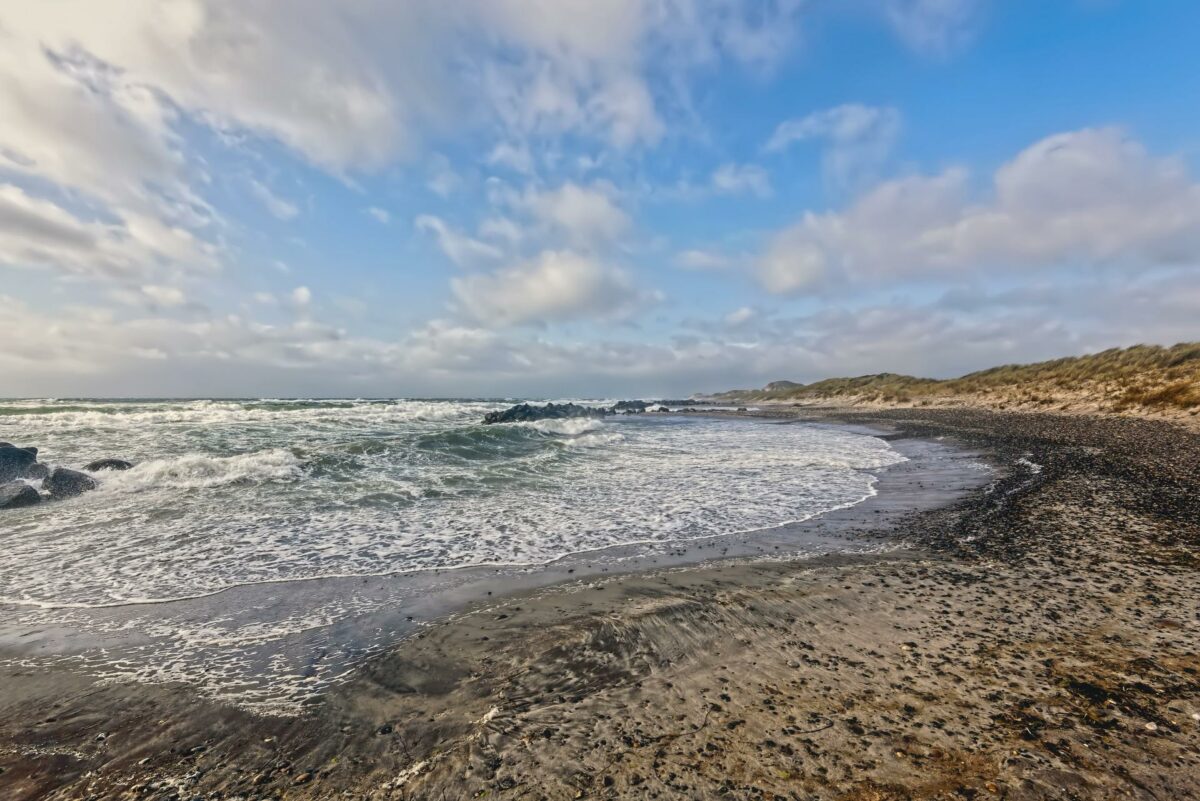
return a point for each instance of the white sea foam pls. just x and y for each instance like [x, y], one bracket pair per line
[571, 426]
[359, 498]
[1032, 467]
[194, 471]
[417, 495]
[229, 493]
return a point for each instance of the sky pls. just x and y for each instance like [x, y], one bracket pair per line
[586, 197]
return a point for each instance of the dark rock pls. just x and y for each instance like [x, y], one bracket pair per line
[108, 464]
[634, 406]
[36, 471]
[16, 494]
[14, 462]
[64, 483]
[523, 412]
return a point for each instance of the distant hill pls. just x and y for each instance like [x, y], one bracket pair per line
[1135, 379]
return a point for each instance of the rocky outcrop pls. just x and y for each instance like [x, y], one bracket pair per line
[64, 483]
[15, 461]
[36, 472]
[60, 482]
[15, 494]
[524, 413]
[107, 464]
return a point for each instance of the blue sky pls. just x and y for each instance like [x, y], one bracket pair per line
[535, 197]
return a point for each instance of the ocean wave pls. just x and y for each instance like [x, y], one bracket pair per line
[136, 416]
[375, 487]
[569, 427]
[596, 439]
[200, 471]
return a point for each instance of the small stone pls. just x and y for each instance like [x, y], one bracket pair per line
[1151, 727]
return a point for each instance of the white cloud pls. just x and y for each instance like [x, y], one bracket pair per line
[583, 216]
[741, 179]
[294, 75]
[302, 296]
[102, 107]
[740, 316]
[934, 27]
[353, 86]
[1092, 198]
[626, 108]
[279, 207]
[696, 259]
[39, 233]
[761, 39]
[501, 229]
[515, 157]
[461, 249]
[99, 185]
[858, 137]
[71, 120]
[82, 349]
[164, 295]
[557, 285]
[443, 179]
[380, 215]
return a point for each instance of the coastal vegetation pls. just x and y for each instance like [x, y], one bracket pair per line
[1138, 379]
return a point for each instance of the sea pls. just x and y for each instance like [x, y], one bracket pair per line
[252, 534]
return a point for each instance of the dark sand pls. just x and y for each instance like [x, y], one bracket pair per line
[1039, 639]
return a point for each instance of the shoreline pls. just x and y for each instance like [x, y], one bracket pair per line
[1038, 641]
[273, 671]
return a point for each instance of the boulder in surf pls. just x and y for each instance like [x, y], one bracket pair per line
[524, 413]
[64, 483]
[108, 464]
[14, 462]
[16, 494]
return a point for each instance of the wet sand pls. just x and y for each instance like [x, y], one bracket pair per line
[1039, 638]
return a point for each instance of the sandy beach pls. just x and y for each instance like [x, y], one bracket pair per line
[1035, 638]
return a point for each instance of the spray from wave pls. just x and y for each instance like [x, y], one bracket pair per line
[198, 471]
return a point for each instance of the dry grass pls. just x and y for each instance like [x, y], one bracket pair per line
[1134, 379]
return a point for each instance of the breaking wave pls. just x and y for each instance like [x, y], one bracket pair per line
[196, 471]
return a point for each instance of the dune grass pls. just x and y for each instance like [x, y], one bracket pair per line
[1149, 377]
